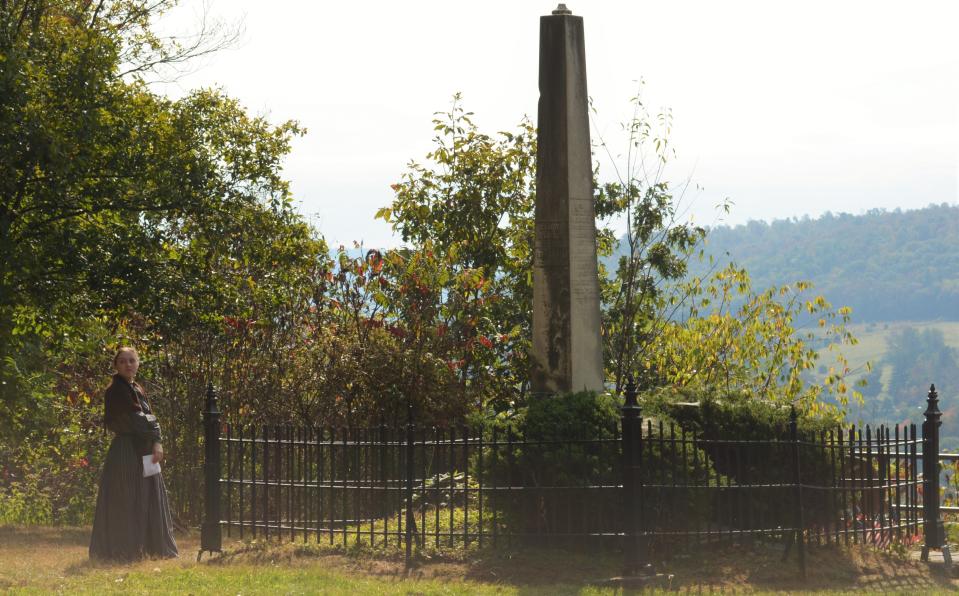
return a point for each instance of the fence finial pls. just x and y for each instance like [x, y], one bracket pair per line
[630, 392]
[211, 398]
[932, 403]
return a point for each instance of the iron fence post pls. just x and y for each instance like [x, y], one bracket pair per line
[210, 534]
[410, 521]
[799, 536]
[635, 560]
[932, 521]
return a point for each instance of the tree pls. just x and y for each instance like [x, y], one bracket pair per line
[472, 205]
[919, 358]
[124, 217]
[654, 250]
[104, 184]
[753, 345]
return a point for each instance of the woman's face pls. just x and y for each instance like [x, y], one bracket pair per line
[127, 364]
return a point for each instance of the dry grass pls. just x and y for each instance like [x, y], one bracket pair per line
[47, 560]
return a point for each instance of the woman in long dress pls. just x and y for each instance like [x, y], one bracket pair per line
[132, 518]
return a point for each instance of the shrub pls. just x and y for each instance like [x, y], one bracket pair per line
[748, 441]
[566, 454]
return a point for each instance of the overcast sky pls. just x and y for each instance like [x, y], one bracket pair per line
[787, 109]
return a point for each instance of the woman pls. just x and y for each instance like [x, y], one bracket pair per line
[132, 518]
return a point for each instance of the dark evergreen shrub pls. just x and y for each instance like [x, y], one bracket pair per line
[748, 443]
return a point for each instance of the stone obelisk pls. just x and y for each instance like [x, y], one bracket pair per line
[567, 349]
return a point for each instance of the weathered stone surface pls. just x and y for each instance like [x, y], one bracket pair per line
[567, 349]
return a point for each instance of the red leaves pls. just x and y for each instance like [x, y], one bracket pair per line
[374, 259]
[394, 330]
[416, 287]
[482, 340]
[238, 324]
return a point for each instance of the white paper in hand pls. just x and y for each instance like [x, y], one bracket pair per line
[150, 468]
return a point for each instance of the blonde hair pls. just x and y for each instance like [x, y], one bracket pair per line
[125, 349]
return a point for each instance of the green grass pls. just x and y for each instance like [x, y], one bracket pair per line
[53, 560]
[258, 579]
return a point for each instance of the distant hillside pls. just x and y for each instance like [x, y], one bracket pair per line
[886, 265]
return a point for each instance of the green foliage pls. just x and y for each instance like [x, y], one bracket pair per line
[654, 250]
[573, 440]
[130, 218]
[885, 265]
[24, 503]
[711, 414]
[919, 357]
[914, 358]
[558, 443]
[109, 189]
[125, 217]
[559, 430]
[564, 439]
[471, 206]
[756, 344]
[50, 475]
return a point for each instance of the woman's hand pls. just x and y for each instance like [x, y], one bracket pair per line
[157, 453]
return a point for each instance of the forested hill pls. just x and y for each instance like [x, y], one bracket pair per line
[886, 265]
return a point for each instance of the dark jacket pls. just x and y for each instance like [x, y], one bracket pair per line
[126, 412]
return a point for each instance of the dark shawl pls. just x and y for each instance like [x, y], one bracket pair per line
[126, 412]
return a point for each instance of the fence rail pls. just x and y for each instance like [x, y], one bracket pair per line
[644, 486]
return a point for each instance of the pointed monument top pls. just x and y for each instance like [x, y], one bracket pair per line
[561, 9]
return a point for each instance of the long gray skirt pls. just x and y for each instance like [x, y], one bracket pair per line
[132, 518]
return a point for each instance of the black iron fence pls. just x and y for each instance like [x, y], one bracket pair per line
[644, 486]
[438, 487]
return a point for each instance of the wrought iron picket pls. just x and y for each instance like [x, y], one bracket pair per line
[651, 488]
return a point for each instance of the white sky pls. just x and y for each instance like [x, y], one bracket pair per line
[788, 109]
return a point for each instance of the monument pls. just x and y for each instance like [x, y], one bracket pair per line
[567, 348]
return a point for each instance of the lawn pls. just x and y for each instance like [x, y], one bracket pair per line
[53, 560]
